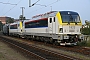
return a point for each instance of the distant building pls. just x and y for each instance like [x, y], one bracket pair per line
[3, 19]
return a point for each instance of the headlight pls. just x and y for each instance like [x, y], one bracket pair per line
[61, 30]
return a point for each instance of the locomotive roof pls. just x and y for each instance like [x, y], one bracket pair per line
[51, 13]
[15, 23]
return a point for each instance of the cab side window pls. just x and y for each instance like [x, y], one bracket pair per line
[54, 19]
[50, 20]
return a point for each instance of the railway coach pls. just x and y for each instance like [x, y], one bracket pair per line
[6, 29]
[13, 29]
[58, 27]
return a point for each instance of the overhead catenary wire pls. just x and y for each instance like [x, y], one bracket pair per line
[4, 6]
[8, 3]
[34, 3]
[12, 8]
[49, 5]
[34, 10]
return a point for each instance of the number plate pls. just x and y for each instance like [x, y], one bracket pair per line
[71, 27]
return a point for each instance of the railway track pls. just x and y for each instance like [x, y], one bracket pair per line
[77, 49]
[37, 52]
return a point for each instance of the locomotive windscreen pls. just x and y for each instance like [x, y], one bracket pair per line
[71, 17]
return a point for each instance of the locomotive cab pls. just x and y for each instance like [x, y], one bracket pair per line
[65, 27]
[70, 27]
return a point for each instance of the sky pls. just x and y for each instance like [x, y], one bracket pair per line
[12, 8]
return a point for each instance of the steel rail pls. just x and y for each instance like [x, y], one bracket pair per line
[25, 47]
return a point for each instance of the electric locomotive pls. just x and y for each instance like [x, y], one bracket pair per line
[59, 27]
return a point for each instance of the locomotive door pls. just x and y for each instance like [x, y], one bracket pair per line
[51, 25]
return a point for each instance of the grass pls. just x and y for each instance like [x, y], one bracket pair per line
[88, 43]
[85, 43]
[2, 57]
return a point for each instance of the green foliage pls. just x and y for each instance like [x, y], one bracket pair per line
[1, 25]
[86, 31]
[10, 20]
[87, 22]
[88, 43]
[83, 43]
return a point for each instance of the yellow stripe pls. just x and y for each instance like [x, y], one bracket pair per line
[80, 24]
[21, 24]
[59, 18]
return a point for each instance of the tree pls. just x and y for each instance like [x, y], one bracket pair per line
[1, 25]
[87, 22]
[10, 20]
[86, 29]
[21, 17]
